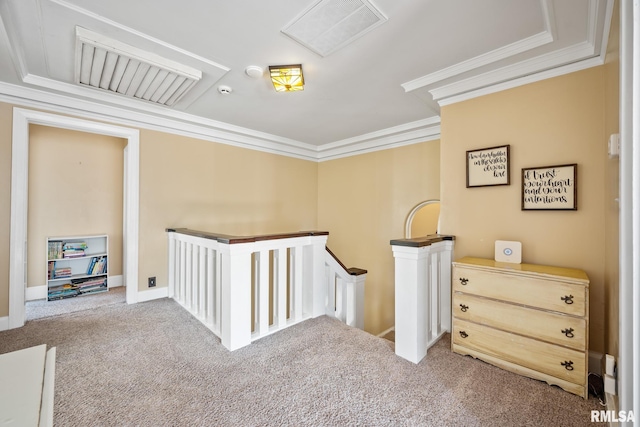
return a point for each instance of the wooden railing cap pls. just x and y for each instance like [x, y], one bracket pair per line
[419, 242]
[230, 239]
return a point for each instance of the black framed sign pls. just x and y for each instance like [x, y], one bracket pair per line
[488, 166]
[550, 188]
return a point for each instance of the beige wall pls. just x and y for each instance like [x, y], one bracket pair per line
[363, 201]
[185, 182]
[552, 122]
[75, 188]
[6, 117]
[612, 188]
[425, 220]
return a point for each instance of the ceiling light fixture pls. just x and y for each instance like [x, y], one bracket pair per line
[287, 78]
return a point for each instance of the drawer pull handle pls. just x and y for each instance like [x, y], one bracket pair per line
[464, 308]
[463, 334]
[568, 299]
[464, 281]
[567, 365]
[568, 332]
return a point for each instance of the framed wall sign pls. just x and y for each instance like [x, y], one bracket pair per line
[550, 188]
[488, 166]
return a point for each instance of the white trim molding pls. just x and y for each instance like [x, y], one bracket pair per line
[22, 118]
[545, 37]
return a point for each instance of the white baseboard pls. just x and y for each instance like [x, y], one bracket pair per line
[153, 294]
[383, 333]
[35, 292]
[4, 323]
[595, 362]
[115, 281]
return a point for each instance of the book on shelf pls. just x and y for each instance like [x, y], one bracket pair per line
[55, 249]
[97, 265]
[60, 273]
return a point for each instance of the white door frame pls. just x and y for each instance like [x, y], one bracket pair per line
[629, 313]
[22, 118]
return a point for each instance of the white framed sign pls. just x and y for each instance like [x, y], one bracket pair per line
[550, 188]
[488, 166]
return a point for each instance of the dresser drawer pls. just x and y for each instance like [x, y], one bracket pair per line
[543, 293]
[559, 362]
[543, 325]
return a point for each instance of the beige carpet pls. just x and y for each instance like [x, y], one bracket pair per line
[39, 309]
[153, 364]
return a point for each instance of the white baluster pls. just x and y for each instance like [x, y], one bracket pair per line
[280, 286]
[340, 298]
[296, 298]
[202, 277]
[172, 265]
[262, 291]
[183, 272]
[211, 296]
[218, 293]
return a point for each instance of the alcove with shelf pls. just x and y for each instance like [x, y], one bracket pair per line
[77, 266]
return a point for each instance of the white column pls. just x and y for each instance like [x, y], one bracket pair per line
[319, 289]
[410, 306]
[236, 295]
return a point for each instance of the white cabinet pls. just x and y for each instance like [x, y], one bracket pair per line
[529, 319]
[76, 266]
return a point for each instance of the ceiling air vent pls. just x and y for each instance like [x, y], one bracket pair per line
[329, 25]
[113, 66]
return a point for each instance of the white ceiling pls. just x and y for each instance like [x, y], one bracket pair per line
[383, 89]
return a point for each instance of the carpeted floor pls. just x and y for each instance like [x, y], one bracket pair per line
[153, 364]
[39, 309]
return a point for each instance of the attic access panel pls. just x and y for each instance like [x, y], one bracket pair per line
[329, 25]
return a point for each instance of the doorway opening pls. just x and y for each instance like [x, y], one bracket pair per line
[22, 118]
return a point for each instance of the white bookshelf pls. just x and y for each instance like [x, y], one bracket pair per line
[77, 266]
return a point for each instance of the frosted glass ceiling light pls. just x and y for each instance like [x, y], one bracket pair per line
[287, 78]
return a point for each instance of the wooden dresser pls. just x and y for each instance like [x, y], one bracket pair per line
[529, 319]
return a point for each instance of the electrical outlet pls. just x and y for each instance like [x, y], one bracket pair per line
[152, 281]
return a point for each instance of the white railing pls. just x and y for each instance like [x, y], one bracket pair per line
[245, 288]
[422, 293]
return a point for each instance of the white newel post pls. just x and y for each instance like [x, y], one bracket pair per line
[410, 293]
[236, 295]
[422, 293]
[319, 289]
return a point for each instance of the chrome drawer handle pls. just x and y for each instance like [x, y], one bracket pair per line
[568, 332]
[568, 299]
[464, 281]
[464, 307]
[463, 334]
[567, 365]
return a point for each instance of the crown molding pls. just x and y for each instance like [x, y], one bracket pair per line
[532, 78]
[170, 121]
[398, 136]
[196, 128]
[531, 66]
[526, 44]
